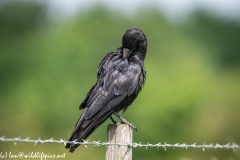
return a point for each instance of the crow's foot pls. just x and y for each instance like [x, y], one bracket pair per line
[124, 121]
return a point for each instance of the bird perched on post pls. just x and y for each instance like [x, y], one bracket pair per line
[121, 75]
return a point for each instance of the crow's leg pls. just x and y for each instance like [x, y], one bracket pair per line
[114, 122]
[125, 121]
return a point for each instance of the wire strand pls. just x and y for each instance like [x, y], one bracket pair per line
[164, 145]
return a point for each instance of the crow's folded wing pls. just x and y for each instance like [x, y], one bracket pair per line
[119, 81]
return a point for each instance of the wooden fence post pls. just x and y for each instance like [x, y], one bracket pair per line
[119, 133]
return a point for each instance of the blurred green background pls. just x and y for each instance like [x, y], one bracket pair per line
[192, 92]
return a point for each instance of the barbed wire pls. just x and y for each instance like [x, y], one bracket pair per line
[164, 145]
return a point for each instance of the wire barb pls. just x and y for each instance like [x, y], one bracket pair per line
[165, 145]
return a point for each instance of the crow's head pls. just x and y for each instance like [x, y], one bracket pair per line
[134, 42]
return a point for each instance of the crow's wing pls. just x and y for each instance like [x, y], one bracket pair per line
[100, 74]
[84, 102]
[119, 81]
[118, 78]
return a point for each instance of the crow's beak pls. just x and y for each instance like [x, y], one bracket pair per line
[126, 52]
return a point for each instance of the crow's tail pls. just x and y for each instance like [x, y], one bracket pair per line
[85, 127]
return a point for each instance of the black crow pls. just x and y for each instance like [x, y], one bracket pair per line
[121, 75]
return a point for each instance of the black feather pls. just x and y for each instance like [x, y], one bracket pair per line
[120, 79]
